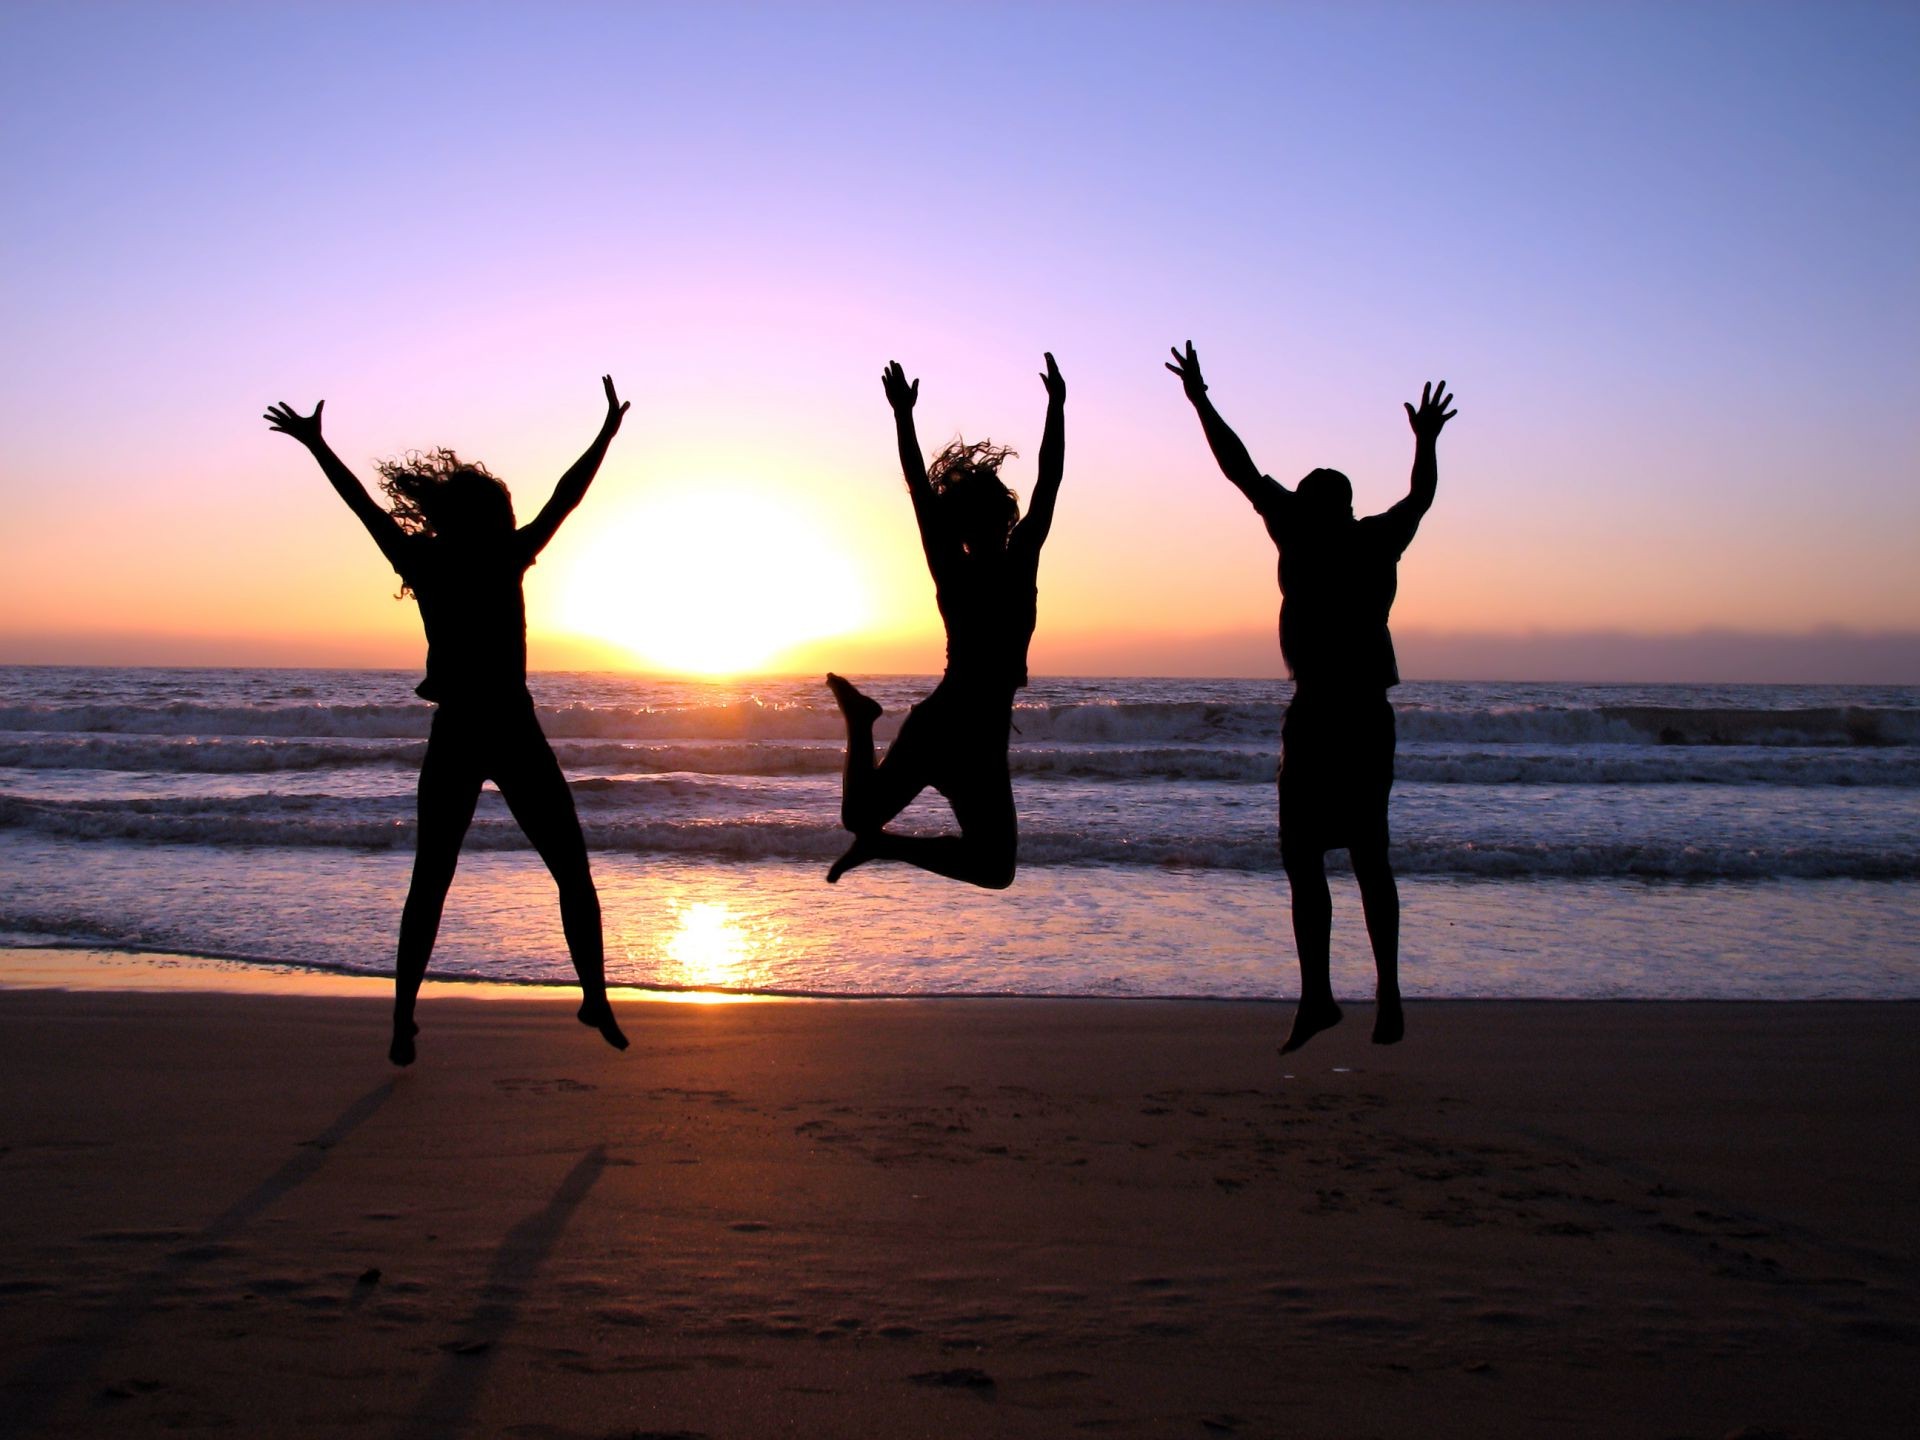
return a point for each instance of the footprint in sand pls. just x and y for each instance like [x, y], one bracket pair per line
[965, 1378]
[520, 1084]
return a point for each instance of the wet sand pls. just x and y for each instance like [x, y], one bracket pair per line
[226, 1213]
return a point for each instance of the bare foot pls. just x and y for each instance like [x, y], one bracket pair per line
[857, 708]
[401, 1051]
[1389, 1021]
[598, 1015]
[1309, 1019]
[860, 852]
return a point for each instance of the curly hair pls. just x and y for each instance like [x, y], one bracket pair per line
[430, 487]
[965, 478]
[435, 491]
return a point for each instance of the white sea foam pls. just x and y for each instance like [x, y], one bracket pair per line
[1102, 722]
[1149, 774]
[130, 799]
[1227, 843]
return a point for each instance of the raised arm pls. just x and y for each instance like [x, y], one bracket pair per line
[1427, 422]
[1031, 533]
[573, 485]
[1235, 463]
[385, 530]
[941, 549]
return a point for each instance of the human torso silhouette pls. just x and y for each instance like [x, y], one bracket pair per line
[990, 607]
[474, 612]
[1338, 578]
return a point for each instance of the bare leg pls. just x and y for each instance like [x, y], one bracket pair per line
[987, 863]
[859, 711]
[1312, 938]
[449, 788]
[870, 794]
[984, 851]
[537, 794]
[1380, 899]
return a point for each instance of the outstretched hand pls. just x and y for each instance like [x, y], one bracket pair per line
[1055, 382]
[1187, 367]
[1433, 412]
[616, 407]
[900, 395]
[288, 421]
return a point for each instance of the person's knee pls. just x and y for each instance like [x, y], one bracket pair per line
[431, 881]
[1301, 863]
[998, 872]
[1371, 866]
[575, 882]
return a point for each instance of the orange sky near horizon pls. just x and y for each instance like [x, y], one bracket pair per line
[806, 543]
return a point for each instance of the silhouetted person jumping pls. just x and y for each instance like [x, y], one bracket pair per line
[985, 562]
[1337, 582]
[451, 537]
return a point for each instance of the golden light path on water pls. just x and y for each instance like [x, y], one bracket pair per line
[710, 947]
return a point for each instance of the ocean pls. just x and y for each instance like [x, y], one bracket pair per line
[1553, 841]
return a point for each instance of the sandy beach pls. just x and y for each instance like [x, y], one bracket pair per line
[224, 1213]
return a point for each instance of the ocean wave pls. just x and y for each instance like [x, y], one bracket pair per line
[1419, 761]
[1641, 765]
[295, 821]
[1847, 725]
[186, 717]
[1497, 859]
[1185, 723]
[194, 756]
[1209, 723]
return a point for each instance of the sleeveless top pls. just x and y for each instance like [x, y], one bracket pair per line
[990, 615]
[474, 614]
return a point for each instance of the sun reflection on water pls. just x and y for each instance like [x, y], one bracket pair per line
[709, 948]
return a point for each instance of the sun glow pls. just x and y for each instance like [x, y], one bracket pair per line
[712, 948]
[719, 580]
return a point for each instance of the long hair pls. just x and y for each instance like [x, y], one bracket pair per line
[435, 491]
[979, 506]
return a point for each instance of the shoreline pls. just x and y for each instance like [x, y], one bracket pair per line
[82, 967]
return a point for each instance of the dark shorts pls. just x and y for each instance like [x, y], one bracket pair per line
[1336, 771]
[957, 738]
[499, 741]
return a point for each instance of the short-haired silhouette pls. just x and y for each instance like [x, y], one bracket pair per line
[451, 536]
[1338, 576]
[985, 562]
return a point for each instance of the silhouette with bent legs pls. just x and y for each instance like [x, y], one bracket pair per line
[1338, 576]
[451, 537]
[985, 562]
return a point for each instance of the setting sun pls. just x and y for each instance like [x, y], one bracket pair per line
[717, 580]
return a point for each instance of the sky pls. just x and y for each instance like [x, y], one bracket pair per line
[1663, 254]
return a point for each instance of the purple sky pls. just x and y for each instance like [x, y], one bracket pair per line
[1664, 254]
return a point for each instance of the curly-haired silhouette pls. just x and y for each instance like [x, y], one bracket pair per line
[985, 562]
[451, 536]
[1338, 576]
